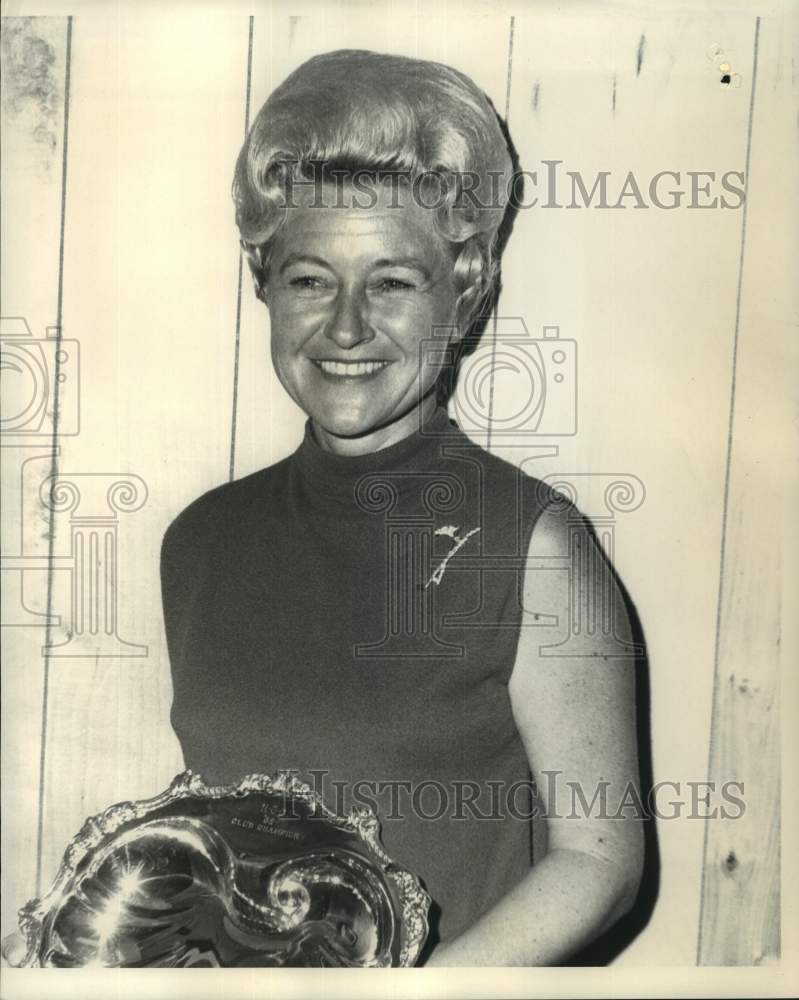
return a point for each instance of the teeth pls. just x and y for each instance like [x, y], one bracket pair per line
[351, 367]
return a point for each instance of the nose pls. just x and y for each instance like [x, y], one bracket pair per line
[349, 326]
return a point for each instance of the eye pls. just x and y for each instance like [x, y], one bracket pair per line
[306, 282]
[394, 285]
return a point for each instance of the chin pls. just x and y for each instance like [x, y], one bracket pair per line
[347, 422]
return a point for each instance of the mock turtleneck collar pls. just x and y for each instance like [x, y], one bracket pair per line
[336, 476]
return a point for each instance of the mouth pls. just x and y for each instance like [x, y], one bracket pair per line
[349, 369]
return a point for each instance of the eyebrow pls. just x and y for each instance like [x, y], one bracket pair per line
[302, 258]
[409, 262]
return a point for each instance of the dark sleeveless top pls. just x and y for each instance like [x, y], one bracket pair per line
[311, 627]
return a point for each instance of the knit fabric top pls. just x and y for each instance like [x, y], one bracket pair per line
[356, 620]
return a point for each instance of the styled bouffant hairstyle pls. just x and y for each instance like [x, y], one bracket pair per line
[359, 112]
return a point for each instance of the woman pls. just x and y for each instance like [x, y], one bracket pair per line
[353, 612]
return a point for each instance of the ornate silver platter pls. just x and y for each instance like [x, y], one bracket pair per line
[255, 874]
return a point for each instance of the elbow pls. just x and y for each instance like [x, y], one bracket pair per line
[630, 876]
[619, 872]
[627, 895]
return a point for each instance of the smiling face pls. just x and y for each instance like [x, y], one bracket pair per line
[352, 294]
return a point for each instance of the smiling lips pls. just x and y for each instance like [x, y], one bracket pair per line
[350, 369]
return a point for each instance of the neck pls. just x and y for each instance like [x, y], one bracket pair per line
[380, 437]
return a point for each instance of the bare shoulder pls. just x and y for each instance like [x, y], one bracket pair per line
[568, 574]
[572, 687]
[574, 673]
[558, 520]
[575, 627]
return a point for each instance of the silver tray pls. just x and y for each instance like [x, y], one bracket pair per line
[255, 874]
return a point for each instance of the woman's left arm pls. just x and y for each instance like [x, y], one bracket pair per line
[576, 718]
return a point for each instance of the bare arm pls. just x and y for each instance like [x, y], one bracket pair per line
[576, 717]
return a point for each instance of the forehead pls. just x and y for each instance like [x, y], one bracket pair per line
[354, 219]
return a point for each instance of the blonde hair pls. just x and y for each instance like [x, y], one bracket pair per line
[353, 111]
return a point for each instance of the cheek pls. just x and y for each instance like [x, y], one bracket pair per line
[290, 326]
[443, 304]
[413, 318]
[282, 338]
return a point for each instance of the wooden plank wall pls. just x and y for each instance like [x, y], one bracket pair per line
[740, 921]
[177, 393]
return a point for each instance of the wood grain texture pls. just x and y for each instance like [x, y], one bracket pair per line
[149, 291]
[648, 295]
[740, 922]
[33, 95]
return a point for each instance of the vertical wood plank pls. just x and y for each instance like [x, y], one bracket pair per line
[150, 292]
[648, 294]
[34, 61]
[740, 916]
[242, 269]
